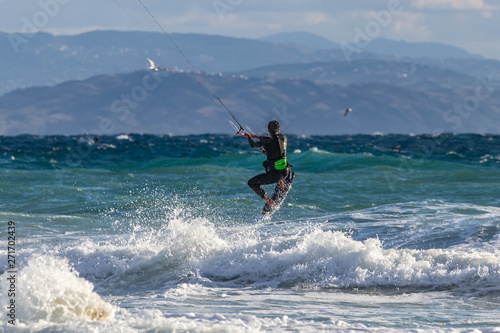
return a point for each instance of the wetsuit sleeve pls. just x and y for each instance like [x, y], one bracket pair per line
[254, 144]
[263, 140]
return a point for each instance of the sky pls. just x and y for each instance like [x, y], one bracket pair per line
[470, 24]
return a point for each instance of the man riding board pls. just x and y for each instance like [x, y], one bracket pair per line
[276, 163]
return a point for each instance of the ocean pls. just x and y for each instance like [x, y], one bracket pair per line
[148, 233]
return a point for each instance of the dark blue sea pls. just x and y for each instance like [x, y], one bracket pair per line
[145, 233]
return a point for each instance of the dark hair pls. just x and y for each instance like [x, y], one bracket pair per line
[273, 126]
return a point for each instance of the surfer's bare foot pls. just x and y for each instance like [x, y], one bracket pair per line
[270, 202]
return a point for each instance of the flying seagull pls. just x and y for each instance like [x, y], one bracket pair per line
[153, 67]
[347, 111]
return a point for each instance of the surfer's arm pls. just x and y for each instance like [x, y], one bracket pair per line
[253, 136]
[252, 143]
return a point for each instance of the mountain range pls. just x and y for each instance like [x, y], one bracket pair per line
[97, 83]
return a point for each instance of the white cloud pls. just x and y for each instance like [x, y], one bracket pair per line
[487, 14]
[418, 20]
[314, 18]
[411, 27]
[450, 4]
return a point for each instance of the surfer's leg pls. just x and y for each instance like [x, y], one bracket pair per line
[257, 181]
[270, 202]
[280, 185]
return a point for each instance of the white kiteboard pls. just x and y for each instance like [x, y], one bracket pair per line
[279, 195]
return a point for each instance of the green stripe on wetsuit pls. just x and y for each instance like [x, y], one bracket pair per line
[280, 164]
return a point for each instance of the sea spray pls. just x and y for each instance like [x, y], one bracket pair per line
[52, 292]
[332, 259]
[163, 234]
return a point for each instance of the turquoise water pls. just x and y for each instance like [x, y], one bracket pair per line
[156, 233]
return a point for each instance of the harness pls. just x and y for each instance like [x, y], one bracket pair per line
[279, 152]
[281, 164]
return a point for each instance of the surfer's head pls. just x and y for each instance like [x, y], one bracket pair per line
[273, 127]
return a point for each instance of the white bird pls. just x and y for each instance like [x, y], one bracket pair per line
[153, 67]
[347, 111]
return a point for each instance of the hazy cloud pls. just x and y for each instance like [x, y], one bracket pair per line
[452, 4]
[412, 25]
[419, 20]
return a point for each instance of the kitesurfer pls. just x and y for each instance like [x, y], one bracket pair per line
[276, 164]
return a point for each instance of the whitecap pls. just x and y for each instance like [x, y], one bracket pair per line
[123, 137]
[52, 292]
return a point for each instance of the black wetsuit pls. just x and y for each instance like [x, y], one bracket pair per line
[275, 149]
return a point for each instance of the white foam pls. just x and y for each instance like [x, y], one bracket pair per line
[310, 257]
[123, 137]
[328, 259]
[147, 256]
[191, 258]
[50, 292]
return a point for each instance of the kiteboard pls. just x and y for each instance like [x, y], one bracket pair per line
[279, 195]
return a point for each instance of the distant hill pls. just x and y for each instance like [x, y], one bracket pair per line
[380, 46]
[96, 82]
[164, 102]
[301, 38]
[413, 75]
[417, 50]
[43, 59]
